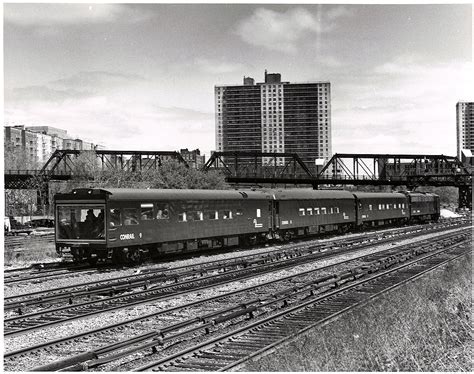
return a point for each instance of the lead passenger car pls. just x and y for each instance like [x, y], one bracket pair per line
[122, 224]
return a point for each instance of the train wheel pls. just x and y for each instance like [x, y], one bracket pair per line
[93, 261]
[76, 259]
[134, 257]
[253, 240]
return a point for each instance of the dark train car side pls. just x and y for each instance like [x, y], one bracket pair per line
[157, 221]
[381, 208]
[423, 206]
[126, 224]
[303, 212]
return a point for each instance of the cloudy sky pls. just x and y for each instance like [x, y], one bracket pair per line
[142, 76]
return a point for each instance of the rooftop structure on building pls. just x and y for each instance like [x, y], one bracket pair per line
[275, 116]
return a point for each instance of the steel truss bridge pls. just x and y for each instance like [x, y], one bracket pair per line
[66, 164]
[255, 168]
[411, 170]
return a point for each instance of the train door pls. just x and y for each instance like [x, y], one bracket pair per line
[275, 214]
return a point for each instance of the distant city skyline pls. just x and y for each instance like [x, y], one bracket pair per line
[142, 76]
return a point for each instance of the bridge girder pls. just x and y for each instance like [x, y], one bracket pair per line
[411, 170]
[63, 161]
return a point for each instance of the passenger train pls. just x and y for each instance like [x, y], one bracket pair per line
[126, 225]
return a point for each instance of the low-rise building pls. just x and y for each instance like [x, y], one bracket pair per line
[193, 158]
[37, 143]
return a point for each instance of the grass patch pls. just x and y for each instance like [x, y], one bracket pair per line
[423, 326]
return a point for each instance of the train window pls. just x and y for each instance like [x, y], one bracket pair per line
[194, 216]
[213, 215]
[259, 213]
[182, 217]
[239, 212]
[162, 211]
[380, 206]
[130, 216]
[388, 206]
[331, 211]
[403, 205]
[115, 217]
[337, 210]
[309, 211]
[323, 210]
[80, 222]
[316, 211]
[146, 212]
[226, 214]
[301, 211]
[370, 206]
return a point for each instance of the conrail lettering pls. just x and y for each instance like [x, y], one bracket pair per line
[127, 236]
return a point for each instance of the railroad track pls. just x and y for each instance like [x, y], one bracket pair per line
[269, 322]
[73, 293]
[282, 297]
[46, 271]
[41, 274]
[22, 323]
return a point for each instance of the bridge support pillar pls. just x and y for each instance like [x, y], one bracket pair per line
[465, 197]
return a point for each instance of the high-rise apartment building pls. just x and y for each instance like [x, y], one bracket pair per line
[275, 116]
[464, 127]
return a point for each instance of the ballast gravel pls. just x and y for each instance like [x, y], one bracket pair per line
[107, 318]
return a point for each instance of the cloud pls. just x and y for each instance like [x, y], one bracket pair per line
[42, 93]
[404, 105]
[113, 109]
[98, 80]
[277, 31]
[282, 31]
[338, 12]
[218, 66]
[50, 15]
[330, 61]
[80, 85]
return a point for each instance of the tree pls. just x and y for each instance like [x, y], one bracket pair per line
[19, 202]
[87, 172]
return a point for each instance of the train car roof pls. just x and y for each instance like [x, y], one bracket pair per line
[304, 193]
[174, 194]
[378, 195]
[421, 194]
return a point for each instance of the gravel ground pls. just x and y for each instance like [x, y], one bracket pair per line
[69, 328]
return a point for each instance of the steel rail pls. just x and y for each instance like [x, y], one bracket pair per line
[150, 315]
[108, 285]
[237, 354]
[237, 311]
[282, 342]
[34, 321]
